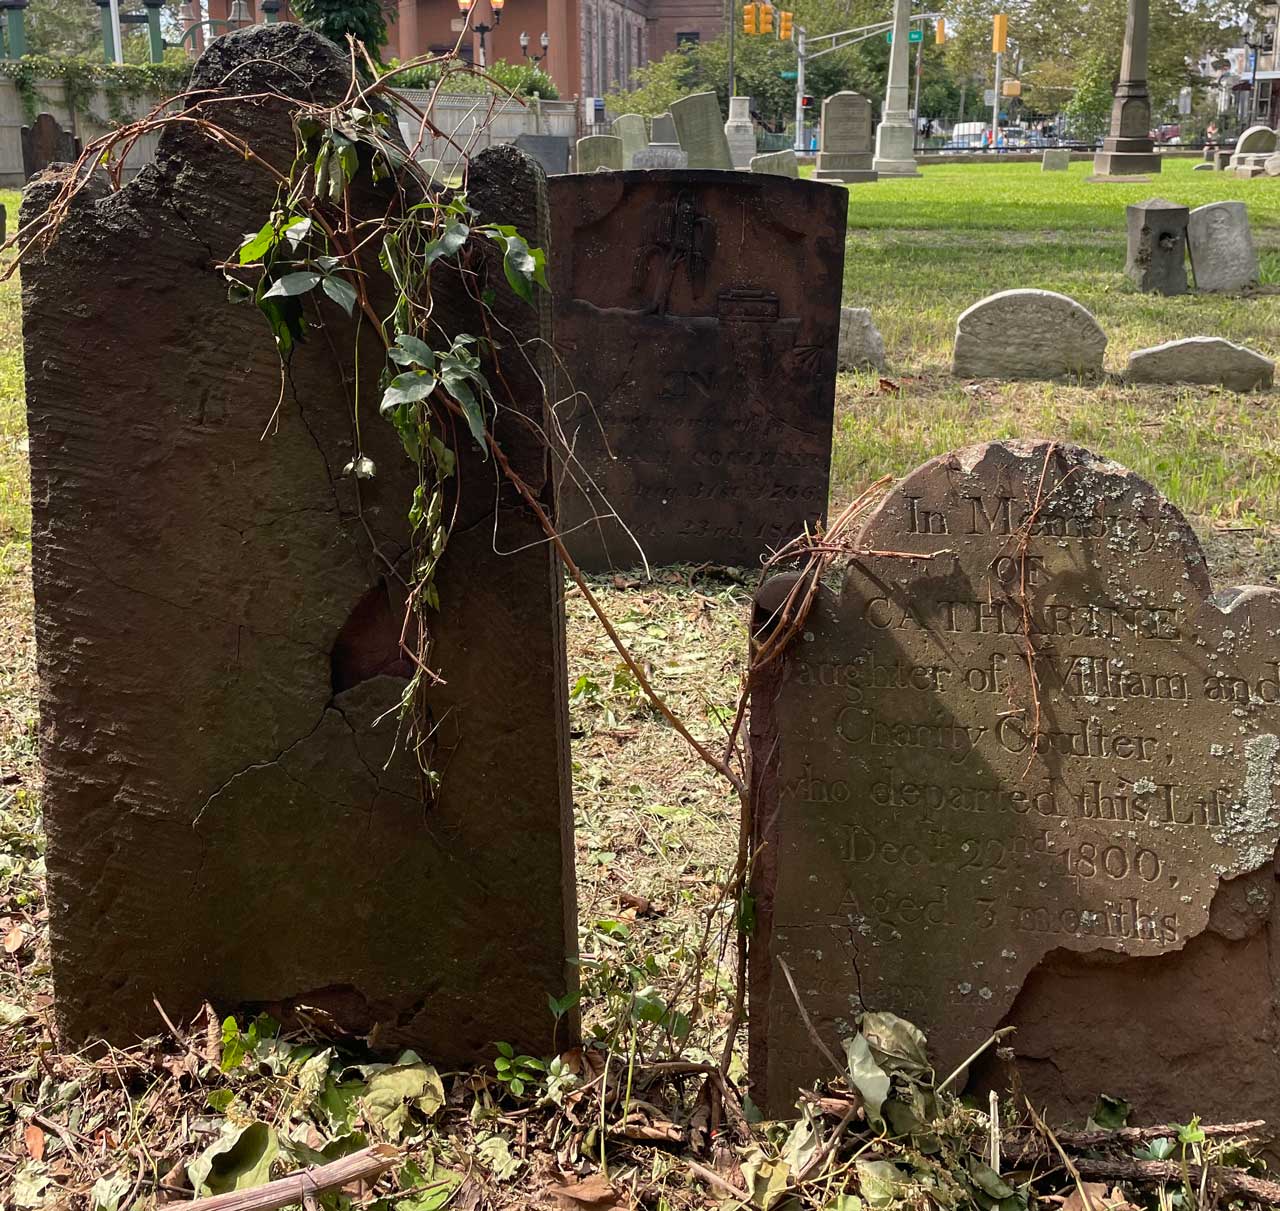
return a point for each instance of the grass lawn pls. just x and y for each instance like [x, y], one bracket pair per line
[655, 832]
[921, 251]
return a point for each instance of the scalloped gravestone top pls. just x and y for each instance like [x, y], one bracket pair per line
[704, 371]
[935, 825]
[219, 640]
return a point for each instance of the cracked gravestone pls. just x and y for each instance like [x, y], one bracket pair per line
[697, 316]
[1156, 254]
[934, 833]
[218, 617]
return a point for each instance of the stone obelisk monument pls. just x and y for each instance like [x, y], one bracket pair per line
[896, 136]
[1128, 150]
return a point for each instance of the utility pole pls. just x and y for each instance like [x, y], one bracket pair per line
[800, 144]
[733, 29]
[999, 44]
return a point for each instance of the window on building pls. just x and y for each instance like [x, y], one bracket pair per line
[690, 38]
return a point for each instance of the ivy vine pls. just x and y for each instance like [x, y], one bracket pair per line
[83, 78]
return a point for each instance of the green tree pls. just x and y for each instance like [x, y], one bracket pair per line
[362, 19]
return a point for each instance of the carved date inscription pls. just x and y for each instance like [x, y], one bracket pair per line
[1024, 723]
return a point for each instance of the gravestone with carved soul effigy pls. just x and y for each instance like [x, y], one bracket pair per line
[1220, 243]
[697, 317]
[219, 609]
[940, 833]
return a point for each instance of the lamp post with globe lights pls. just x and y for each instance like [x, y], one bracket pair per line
[543, 41]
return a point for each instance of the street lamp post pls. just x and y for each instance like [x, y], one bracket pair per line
[464, 7]
[543, 41]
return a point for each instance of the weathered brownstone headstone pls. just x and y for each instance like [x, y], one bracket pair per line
[218, 634]
[697, 317]
[940, 830]
[44, 142]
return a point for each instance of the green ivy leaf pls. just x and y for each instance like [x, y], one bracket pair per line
[407, 388]
[255, 246]
[292, 284]
[410, 351]
[239, 1160]
[341, 292]
[455, 235]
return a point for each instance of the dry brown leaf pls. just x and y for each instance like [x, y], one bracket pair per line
[595, 1191]
[33, 1137]
[14, 939]
[1093, 1196]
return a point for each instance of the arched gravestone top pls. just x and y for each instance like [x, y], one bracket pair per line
[1032, 334]
[1257, 140]
[218, 637]
[932, 827]
[593, 152]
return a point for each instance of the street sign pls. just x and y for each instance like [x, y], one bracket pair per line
[915, 35]
[989, 97]
[788, 75]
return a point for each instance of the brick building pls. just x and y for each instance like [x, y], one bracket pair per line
[593, 46]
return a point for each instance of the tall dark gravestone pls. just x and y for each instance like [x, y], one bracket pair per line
[697, 319]
[218, 625]
[947, 838]
[45, 142]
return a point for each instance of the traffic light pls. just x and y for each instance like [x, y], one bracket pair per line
[806, 102]
[940, 35]
[1000, 33]
[749, 18]
[784, 25]
[766, 18]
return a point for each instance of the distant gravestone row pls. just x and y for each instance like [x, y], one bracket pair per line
[1020, 730]
[1253, 151]
[1217, 238]
[1039, 334]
